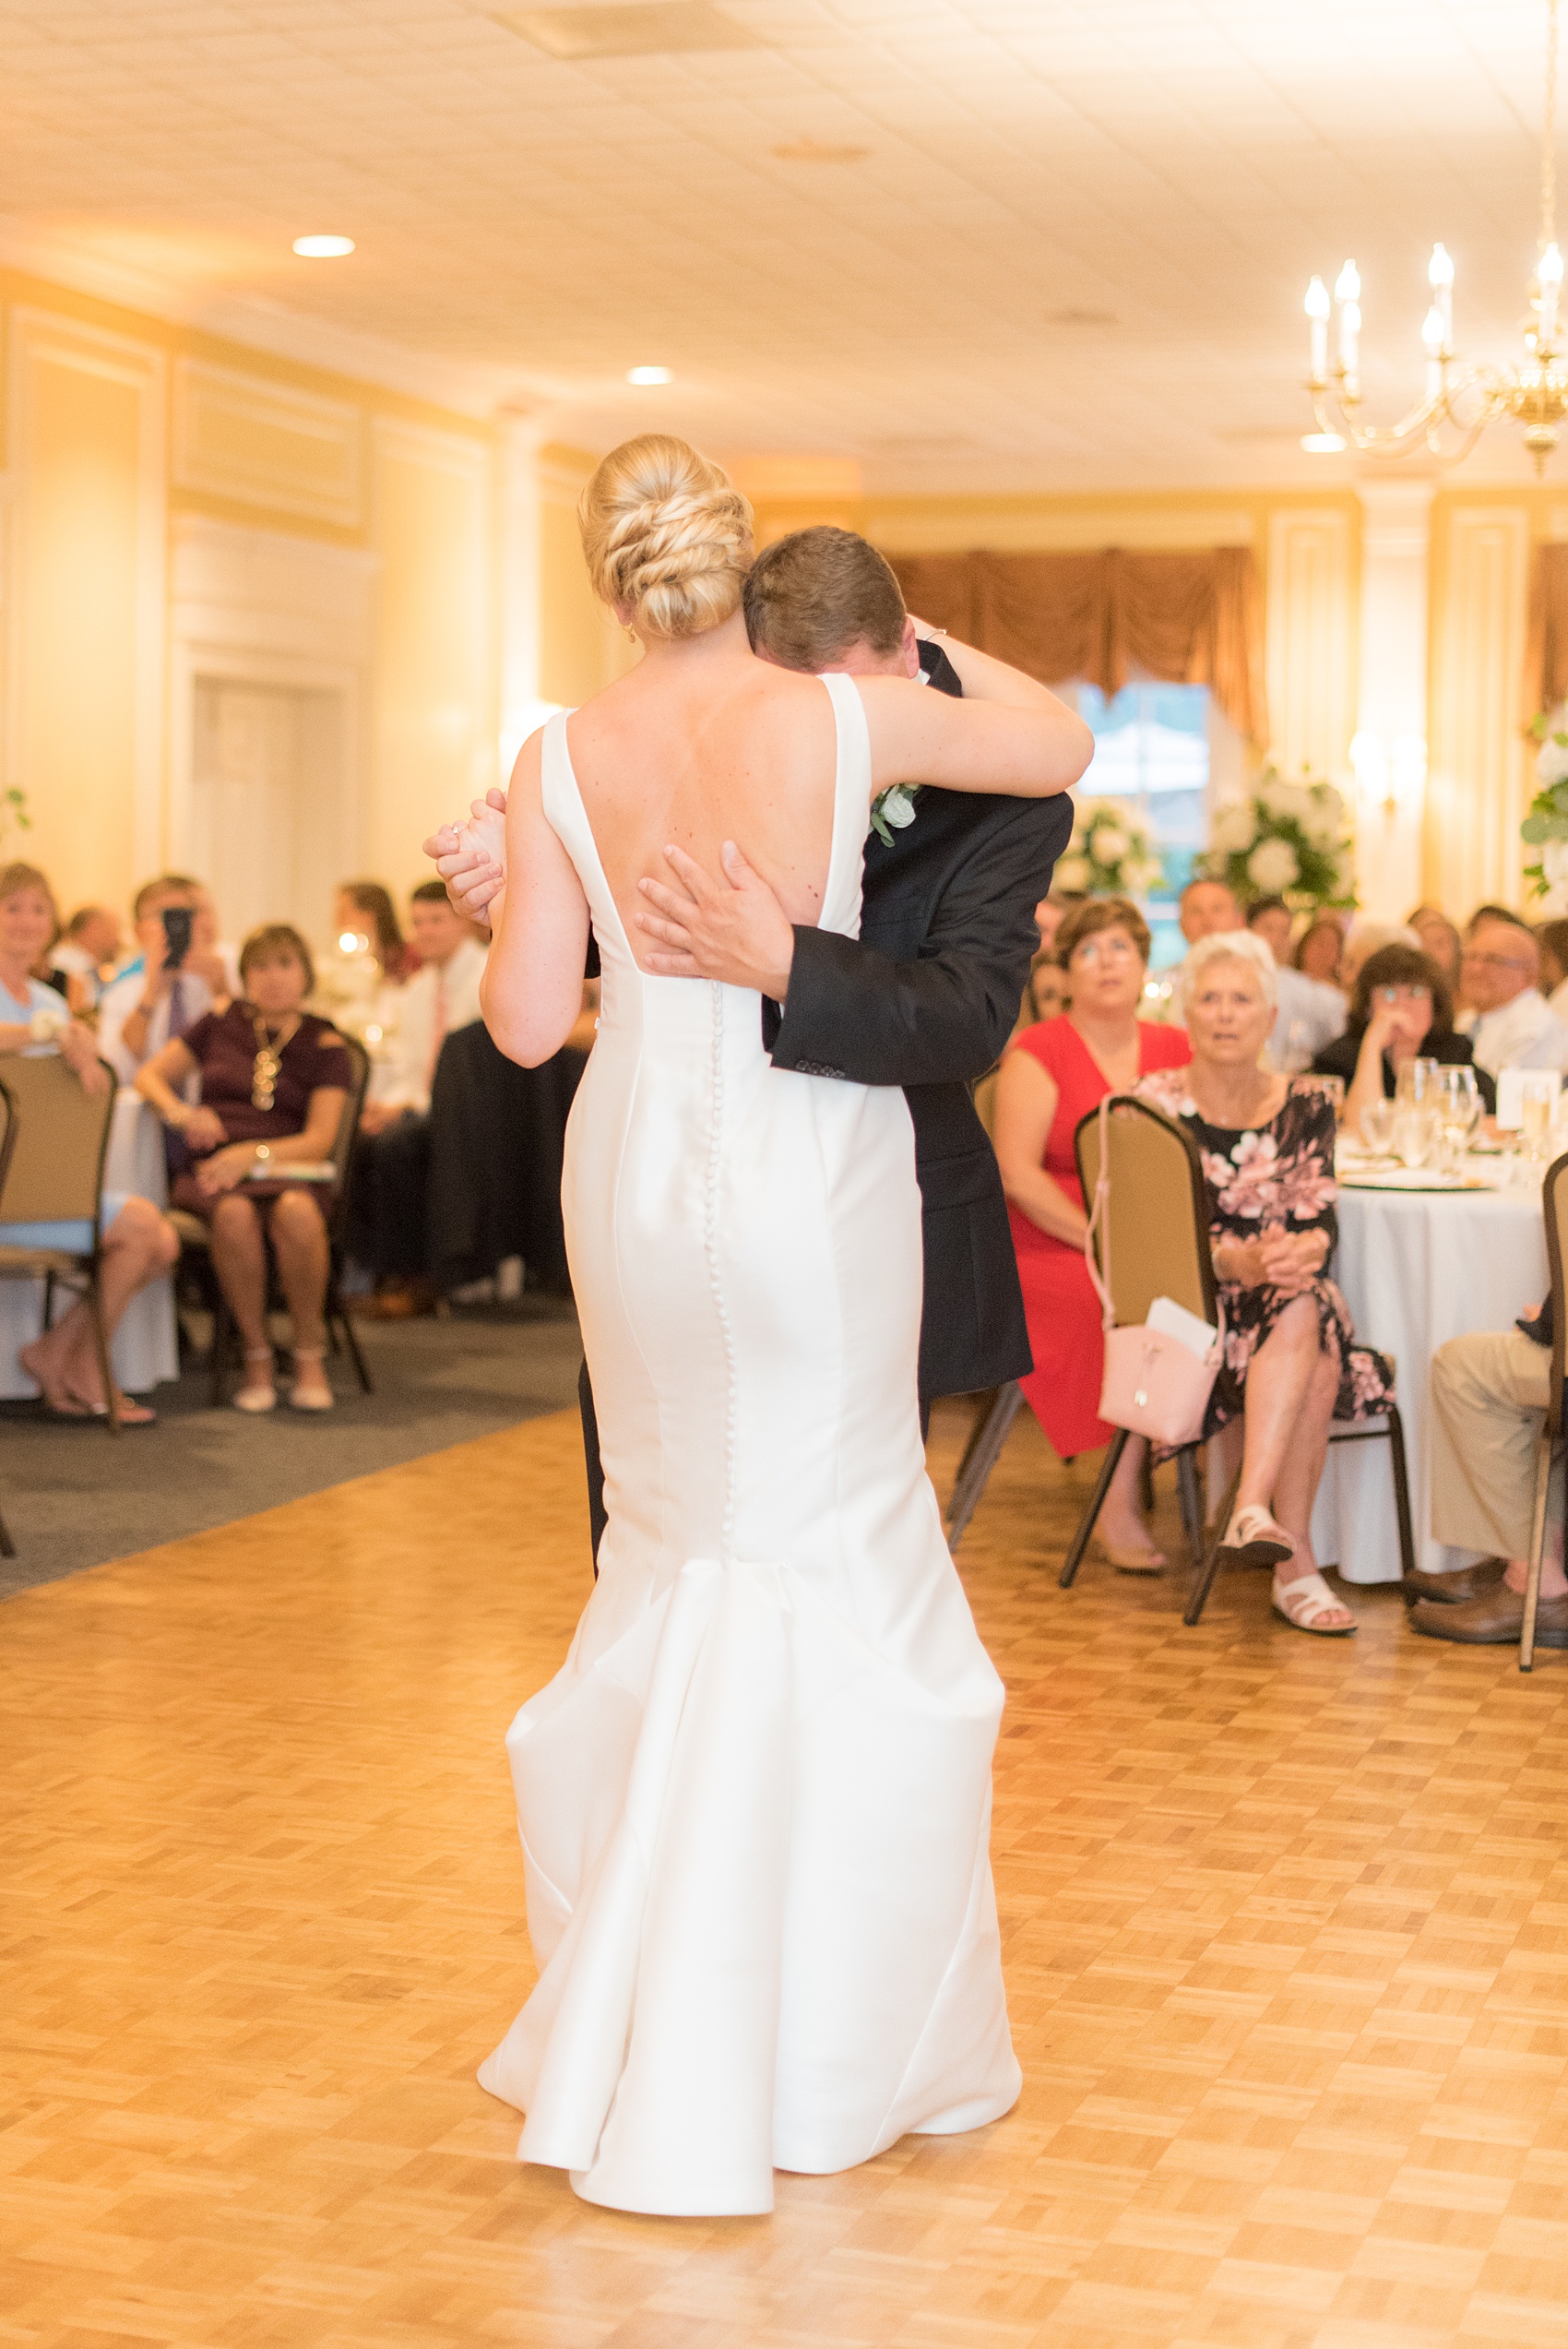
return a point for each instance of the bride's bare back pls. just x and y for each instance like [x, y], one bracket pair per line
[702, 742]
[728, 748]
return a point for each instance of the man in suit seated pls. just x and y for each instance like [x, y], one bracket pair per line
[388, 1224]
[1491, 1391]
[928, 994]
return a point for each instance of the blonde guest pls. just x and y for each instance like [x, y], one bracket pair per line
[138, 1243]
[1266, 1143]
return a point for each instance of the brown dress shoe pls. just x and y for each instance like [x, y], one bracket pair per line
[1464, 1583]
[1492, 1620]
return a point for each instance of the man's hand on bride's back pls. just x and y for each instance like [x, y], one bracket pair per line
[730, 927]
[471, 858]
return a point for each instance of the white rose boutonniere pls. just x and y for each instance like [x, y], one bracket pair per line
[893, 809]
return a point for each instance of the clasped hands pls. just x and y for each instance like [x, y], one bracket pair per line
[731, 927]
[1289, 1261]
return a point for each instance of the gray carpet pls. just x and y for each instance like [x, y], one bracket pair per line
[74, 1497]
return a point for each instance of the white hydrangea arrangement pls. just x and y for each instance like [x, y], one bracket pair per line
[1545, 826]
[1286, 840]
[1111, 852]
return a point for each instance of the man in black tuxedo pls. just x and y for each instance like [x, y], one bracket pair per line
[925, 997]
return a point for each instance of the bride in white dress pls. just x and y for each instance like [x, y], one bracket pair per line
[754, 1802]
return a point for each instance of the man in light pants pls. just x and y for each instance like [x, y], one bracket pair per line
[1490, 1394]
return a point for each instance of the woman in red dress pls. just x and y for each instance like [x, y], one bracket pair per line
[1052, 1076]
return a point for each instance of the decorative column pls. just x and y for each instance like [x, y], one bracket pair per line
[518, 569]
[1388, 752]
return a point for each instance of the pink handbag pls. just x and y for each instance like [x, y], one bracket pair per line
[1153, 1386]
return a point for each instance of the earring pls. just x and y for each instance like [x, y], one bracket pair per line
[632, 635]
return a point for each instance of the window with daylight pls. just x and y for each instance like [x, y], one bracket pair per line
[1159, 749]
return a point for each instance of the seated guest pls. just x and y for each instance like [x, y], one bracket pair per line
[1401, 1011]
[139, 1245]
[273, 1082]
[1553, 940]
[1311, 1014]
[1508, 1020]
[1052, 1076]
[365, 909]
[1204, 906]
[1048, 989]
[1491, 1390]
[387, 1211]
[84, 955]
[1363, 940]
[1440, 938]
[163, 992]
[1267, 1147]
[1047, 918]
[1318, 950]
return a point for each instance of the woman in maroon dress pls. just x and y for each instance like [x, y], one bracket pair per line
[274, 1078]
[1053, 1075]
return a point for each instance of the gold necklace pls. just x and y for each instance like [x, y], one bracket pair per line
[269, 1058]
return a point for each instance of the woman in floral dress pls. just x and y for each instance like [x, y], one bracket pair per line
[1291, 1365]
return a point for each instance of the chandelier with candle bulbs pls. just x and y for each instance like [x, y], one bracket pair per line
[1465, 399]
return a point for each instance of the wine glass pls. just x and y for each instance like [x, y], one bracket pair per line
[1418, 1082]
[1459, 1109]
[1415, 1130]
[1537, 1105]
[1377, 1128]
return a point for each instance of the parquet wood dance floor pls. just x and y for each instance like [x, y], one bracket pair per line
[1284, 1922]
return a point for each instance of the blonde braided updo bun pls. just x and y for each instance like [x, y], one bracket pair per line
[667, 536]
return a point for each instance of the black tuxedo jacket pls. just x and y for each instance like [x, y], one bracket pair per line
[926, 998]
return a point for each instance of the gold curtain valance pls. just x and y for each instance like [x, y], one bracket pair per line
[1546, 659]
[1107, 617]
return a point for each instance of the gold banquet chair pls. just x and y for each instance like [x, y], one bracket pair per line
[1553, 1436]
[1161, 1212]
[196, 1241]
[51, 1171]
[1161, 1250]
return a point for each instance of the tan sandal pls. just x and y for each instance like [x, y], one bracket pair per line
[1253, 1538]
[257, 1394]
[297, 1401]
[1303, 1603]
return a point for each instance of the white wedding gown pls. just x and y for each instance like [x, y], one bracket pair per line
[756, 1800]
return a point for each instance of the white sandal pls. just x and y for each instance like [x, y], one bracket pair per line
[328, 1401]
[1253, 1538]
[1303, 1603]
[257, 1394]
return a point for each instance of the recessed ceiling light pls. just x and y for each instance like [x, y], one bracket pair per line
[819, 151]
[322, 248]
[650, 375]
[1322, 443]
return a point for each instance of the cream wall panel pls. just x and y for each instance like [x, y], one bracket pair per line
[86, 635]
[1311, 640]
[261, 611]
[263, 444]
[435, 724]
[581, 646]
[1476, 788]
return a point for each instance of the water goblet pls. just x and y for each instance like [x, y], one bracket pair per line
[1377, 1128]
[1415, 1130]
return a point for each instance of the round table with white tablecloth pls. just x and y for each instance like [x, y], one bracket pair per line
[144, 1351]
[1417, 1268]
